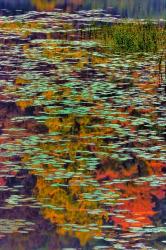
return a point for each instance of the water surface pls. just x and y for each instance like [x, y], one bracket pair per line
[82, 153]
[124, 8]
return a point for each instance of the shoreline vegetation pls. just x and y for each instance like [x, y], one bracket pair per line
[132, 37]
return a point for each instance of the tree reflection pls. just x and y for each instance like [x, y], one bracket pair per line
[91, 132]
[46, 5]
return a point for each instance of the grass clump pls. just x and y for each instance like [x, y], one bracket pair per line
[131, 37]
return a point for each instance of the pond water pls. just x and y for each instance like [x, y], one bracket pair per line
[82, 139]
[124, 8]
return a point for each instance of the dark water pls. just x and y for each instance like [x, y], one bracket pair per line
[82, 134]
[124, 8]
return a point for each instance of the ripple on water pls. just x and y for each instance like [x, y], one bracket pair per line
[82, 134]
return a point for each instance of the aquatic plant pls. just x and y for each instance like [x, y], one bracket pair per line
[130, 37]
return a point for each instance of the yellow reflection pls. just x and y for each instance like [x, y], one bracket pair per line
[47, 5]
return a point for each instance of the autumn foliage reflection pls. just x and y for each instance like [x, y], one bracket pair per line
[89, 132]
[137, 197]
[47, 5]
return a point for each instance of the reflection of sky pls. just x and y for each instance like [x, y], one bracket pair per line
[126, 8]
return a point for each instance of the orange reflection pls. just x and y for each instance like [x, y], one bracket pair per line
[46, 5]
[136, 206]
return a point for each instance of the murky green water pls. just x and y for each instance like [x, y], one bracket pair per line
[82, 132]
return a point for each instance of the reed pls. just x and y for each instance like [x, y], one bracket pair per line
[130, 37]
